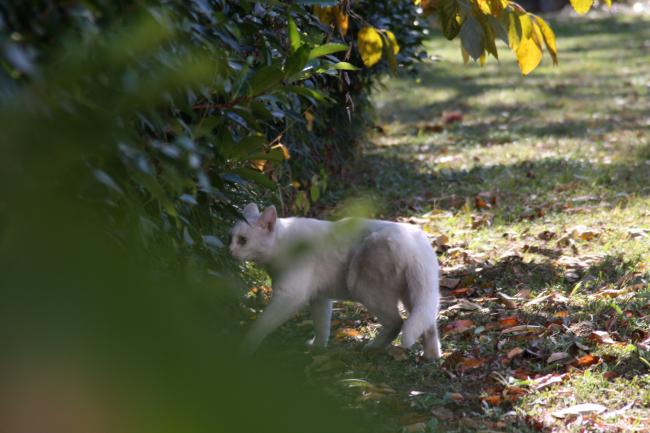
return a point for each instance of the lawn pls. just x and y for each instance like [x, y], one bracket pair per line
[536, 192]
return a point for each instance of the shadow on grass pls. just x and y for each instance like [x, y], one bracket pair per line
[524, 190]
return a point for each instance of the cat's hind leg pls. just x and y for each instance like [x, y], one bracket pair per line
[321, 314]
[391, 322]
[432, 343]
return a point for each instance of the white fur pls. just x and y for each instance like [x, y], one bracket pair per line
[378, 263]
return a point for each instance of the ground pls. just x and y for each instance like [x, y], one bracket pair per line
[536, 192]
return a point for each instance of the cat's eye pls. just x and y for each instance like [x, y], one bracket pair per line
[241, 240]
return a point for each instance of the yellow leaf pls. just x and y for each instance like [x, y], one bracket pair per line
[309, 117]
[342, 20]
[325, 14]
[393, 41]
[417, 2]
[549, 38]
[283, 149]
[484, 6]
[513, 31]
[582, 6]
[482, 59]
[370, 45]
[258, 164]
[529, 54]
[609, 3]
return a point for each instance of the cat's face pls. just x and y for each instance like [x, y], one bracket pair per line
[254, 238]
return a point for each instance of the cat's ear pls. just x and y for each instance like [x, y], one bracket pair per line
[251, 211]
[267, 219]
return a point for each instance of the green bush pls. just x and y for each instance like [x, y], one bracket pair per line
[181, 111]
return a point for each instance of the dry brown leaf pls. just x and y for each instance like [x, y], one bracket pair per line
[561, 314]
[479, 221]
[449, 283]
[449, 117]
[548, 380]
[514, 392]
[601, 337]
[636, 233]
[557, 356]
[546, 235]
[583, 233]
[464, 304]
[492, 400]
[515, 352]
[470, 364]
[508, 322]
[507, 301]
[457, 397]
[533, 329]
[398, 353]
[441, 241]
[586, 361]
[345, 333]
[458, 326]
[463, 291]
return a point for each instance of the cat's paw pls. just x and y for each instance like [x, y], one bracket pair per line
[315, 343]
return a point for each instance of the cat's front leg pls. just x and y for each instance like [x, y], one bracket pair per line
[321, 314]
[287, 300]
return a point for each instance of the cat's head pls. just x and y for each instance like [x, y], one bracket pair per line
[254, 238]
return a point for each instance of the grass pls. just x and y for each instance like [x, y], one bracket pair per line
[542, 193]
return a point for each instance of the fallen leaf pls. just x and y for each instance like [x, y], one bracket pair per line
[345, 333]
[524, 329]
[635, 233]
[432, 127]
[449, 117]
[449, 283]
[456, 396]
[514, 392]
[441, 241]
[578, 409]
[561, 314]
[458, 326]
[586, 361]
[556, 356]
[515, 352]
[492, 400]
[507, 301]
[463, 291]
[479, 221]
[583, 233]
[470, 364]
[398, 353]
[464, 304]
[548, 380]
[546, 235]
[508, 322]
[601, 337]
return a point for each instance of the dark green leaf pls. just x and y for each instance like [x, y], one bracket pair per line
[264, 79]
[472, 37]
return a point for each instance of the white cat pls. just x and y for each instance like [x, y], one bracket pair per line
[378, 263]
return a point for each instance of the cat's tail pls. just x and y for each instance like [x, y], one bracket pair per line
[424, 297]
